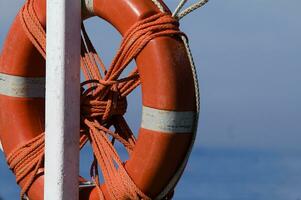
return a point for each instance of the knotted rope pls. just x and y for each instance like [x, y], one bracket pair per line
[103, 103]
[118, 181]
[178, 14]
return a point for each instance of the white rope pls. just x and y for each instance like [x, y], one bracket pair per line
[1, 148]
[179, 172]
[87, 8]
[179, 7]
[159, 5]
[178, 14]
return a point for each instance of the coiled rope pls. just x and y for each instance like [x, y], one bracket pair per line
[178, 14]
[103, 103]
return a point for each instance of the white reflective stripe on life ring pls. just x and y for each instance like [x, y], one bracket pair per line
[17, 86]
[167, 121]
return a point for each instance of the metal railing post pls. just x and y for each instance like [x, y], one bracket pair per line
[62, 99]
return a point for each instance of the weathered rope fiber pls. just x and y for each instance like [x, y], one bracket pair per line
[177, 14]
[103, 103]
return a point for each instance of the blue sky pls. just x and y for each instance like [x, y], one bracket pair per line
[248, 55]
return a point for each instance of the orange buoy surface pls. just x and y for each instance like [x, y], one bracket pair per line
[168, 97]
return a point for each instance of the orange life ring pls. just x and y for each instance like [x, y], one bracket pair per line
[168, 96]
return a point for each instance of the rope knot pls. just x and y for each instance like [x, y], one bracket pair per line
[103, 104]
[102, 100]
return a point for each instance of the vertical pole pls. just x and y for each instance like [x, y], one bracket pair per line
[62, 99]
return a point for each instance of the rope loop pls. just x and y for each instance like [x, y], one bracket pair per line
[178, 14]
[103, 100]
[103, 104]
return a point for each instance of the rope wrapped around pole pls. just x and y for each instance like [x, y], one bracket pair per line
[103, 104]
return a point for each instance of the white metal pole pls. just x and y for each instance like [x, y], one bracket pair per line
[62, 99]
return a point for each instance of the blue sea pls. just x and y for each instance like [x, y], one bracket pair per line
[247, 55]
[220, 174]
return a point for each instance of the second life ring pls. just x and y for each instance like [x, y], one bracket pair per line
[169, 117]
